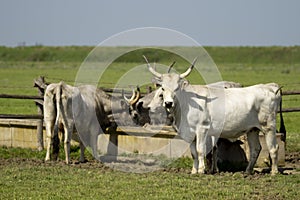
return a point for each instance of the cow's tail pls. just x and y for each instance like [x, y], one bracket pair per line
[56, 140]
[58, 103]
[282, 126]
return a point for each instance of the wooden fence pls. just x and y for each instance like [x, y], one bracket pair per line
[38, 99]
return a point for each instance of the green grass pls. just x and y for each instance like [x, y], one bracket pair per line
[42, 53]
[251, 55]
[25, 176]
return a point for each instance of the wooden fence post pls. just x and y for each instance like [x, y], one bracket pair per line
[41, 86]
[40, 141]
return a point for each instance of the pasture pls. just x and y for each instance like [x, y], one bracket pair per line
[25, 175]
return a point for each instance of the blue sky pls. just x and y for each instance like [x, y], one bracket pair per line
[212, 23]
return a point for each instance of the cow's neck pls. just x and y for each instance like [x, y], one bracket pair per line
[116, 106]
[113, 105]
[181, 119]
[180, 107]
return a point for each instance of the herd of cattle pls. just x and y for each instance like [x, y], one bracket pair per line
[198, 113]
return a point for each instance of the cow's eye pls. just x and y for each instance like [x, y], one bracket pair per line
[162, 89]
[161, 96]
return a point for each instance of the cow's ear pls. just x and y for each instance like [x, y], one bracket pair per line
[156, 81]
[184, 83]
[139, 106]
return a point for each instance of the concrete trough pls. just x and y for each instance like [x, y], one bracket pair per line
[164, 140]
[19, 133]
[154, 141]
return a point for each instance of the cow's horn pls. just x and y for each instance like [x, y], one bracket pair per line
[155, 73]
[124, 97]
[131, 98]
[188, 71]
[137, 96]
[171, 66]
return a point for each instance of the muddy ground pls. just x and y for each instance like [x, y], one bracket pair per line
[141, 165]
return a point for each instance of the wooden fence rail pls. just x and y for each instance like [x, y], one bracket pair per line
[288, 110]
[38, 99]
[14, 96]
[290, 93]
[17, 116]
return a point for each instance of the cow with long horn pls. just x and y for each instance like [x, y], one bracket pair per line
[160, 116]
[203, 111]
[138, 116]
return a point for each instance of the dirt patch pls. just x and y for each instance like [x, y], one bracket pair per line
[92, 164]
[292, 163]
[293, 159]
[140, 164]
[133, 164]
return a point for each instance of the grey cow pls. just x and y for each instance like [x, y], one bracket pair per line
[84, 109]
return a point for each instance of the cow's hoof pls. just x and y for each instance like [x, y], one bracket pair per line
[194, 171]
[83, 160]
[249, 172]
[274, 172]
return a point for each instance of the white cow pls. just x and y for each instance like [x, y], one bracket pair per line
[202, 111]
[156, 105]
[155, 101]
[49, 120]
[86, 107]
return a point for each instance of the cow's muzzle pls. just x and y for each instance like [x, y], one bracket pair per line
[168, 104]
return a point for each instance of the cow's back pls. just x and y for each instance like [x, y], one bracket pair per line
[246, 108]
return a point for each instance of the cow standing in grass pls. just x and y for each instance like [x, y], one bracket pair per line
[86, 109]
[156, 105]
[201, 111]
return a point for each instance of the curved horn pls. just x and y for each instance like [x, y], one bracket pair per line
[131, 98]
[123, 95]
[188, 71]
[137, 96]
[155, 73]
[171, 67]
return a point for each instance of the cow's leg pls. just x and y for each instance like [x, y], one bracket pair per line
[212, 156]
[93, 133]
[214, 166]
[201, 150]
[49, 138]
[55, 143]
[194, 156]
[67, 143]
[82, 148]
[94, 141]
[255, 147]
[273, 147]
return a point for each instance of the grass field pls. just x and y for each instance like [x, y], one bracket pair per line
[24, 175]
